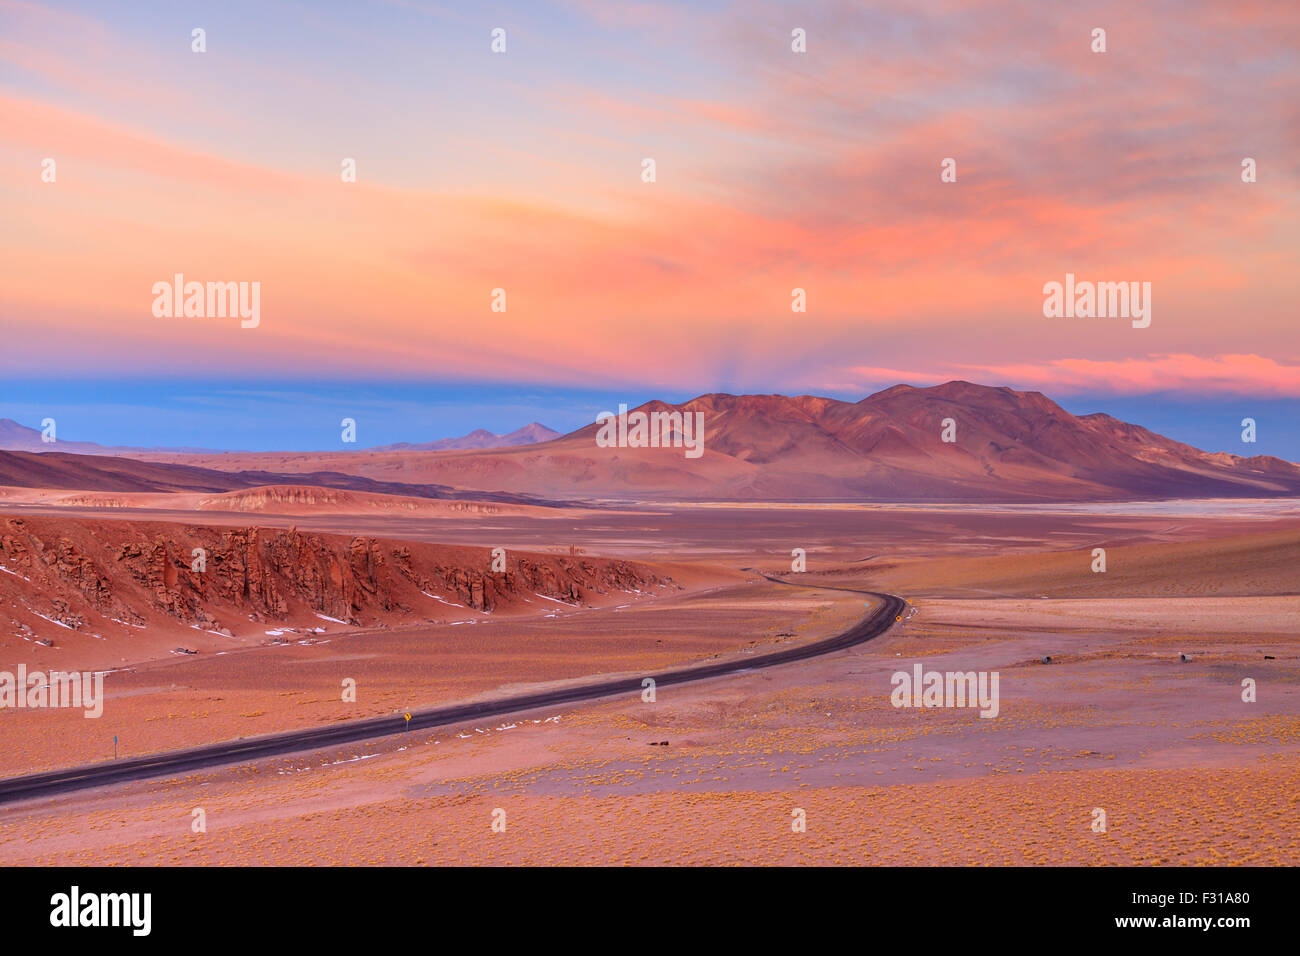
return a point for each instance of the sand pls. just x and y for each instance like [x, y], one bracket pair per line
[1184, 769]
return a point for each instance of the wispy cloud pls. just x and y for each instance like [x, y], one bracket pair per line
[1238, 374]
[776, 170]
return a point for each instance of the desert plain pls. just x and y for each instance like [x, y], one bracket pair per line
[1121, 692]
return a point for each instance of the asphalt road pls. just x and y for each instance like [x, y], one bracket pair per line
[176, 762]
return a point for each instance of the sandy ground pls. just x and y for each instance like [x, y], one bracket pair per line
[833, 536]
[271, 499]
[1184, 769]
[180, 701]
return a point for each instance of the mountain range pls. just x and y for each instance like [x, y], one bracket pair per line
[18, 437]
[530, 434]
[1006, 446]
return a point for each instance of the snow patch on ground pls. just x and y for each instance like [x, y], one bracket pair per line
[205, 631]
[52, 620]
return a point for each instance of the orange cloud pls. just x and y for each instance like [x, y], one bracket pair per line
[1245, 374]
[777, 171]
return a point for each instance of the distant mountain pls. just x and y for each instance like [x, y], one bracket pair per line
[1008, 446]
[18, 437]
[63, 471]
[479, 438]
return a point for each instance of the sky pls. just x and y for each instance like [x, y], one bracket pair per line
[522, 171]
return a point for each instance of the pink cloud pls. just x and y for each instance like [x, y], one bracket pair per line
[1229, 373]
[777, 170]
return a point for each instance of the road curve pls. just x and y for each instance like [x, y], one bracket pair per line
[171, 763]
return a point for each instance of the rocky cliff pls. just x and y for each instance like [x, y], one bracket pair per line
[87, 574]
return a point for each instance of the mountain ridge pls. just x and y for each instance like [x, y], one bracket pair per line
[1006, 446]
[15, 436]
[532, 433]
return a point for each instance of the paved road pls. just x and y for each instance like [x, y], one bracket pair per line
[883, 614]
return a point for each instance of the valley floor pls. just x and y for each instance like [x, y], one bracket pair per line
[1138, 715]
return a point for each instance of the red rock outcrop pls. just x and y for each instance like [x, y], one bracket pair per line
[74, 570]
